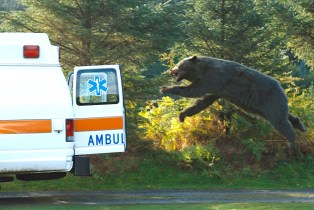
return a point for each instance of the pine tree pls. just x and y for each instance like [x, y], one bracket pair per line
[234, 30]
[294, 19]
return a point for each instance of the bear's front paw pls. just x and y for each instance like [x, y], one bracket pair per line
[164, 89]
[182, 117]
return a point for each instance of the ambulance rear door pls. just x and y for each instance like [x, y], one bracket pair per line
[99, 114]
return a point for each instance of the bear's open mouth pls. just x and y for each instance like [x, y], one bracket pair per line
[174, 72]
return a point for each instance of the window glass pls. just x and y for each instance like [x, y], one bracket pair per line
[97, 87]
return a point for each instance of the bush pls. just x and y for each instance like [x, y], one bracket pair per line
[302, 105]
[256, 148]
[162, 125]
[200, 157]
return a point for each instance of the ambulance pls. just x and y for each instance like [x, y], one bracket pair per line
[50, 125]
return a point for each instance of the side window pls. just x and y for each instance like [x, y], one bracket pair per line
[97, 86]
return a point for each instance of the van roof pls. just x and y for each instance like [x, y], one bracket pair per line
[11, 49]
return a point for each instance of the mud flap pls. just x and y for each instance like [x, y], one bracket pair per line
[82, 165]
[6, 179]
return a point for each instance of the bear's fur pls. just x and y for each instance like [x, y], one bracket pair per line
[253, 91]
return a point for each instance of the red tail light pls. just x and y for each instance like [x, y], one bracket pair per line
[31, 51]
[69, 130]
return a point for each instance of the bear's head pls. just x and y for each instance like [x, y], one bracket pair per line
[185, 69]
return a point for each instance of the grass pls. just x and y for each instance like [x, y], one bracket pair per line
[160, 170]
[217, 206]
[125, 172]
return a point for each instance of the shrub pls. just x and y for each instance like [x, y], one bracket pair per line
[199, 157]
[256, 148]
[162, 125]
[302, 105]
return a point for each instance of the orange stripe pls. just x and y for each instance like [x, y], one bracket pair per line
[96, 124]
[25, 126]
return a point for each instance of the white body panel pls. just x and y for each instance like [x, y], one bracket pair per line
[39, 160]
[35, 93]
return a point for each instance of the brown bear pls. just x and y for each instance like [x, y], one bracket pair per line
[251, 90]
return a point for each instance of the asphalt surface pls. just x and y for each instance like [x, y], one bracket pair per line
[155, 197]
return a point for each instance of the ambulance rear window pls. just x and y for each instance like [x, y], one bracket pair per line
[99, 86]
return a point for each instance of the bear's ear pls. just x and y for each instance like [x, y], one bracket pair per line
[194, 58]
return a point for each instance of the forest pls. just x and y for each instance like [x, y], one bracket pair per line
[147, 37]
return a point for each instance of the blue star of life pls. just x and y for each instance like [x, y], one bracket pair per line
[97, 85]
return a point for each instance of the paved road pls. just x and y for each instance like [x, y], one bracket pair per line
[155, 197]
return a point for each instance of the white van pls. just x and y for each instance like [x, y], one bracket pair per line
[44, 131]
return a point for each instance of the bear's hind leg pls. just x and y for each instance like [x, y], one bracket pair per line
[286, 129]
[276, 112]
[296, 122]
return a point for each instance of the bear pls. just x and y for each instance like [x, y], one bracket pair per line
[254, 92]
